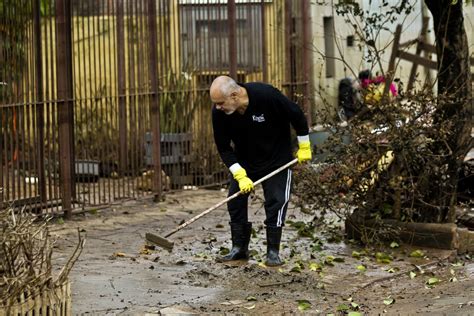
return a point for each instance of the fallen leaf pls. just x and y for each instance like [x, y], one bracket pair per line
[394, 244]
[329, 260]
[303, 305]
[412, 275]
[432, 281]
[361, 268]
[389, 301]
[313, 266]
[356, 254]
[342, 307]
[224, 251]
[250, 307]
[354, 314]
[145, 251]
[383, 257]
[417, 254]
[251, 298]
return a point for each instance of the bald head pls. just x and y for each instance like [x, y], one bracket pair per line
[228, 96]
[223, 86]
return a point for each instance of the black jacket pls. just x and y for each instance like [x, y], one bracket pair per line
[261, 137]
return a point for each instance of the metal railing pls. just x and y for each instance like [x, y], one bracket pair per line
[87, 86]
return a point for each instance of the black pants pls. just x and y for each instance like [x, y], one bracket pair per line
[276, 191]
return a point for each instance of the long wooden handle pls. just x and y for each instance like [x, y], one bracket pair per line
[233, 196]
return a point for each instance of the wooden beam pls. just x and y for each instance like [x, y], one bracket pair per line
[418, 59]
[419, 49]
[440, 236]
[391, 64]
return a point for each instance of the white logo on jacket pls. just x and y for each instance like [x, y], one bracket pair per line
[259, 118]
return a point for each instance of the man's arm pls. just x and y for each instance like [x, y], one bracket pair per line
[300, 124]
[293, 112]
[222, 139]
[223, 143]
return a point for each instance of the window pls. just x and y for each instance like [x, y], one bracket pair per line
[350, 41]
[329, 49]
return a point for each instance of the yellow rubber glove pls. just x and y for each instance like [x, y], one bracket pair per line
[304, 152]
[245, 184]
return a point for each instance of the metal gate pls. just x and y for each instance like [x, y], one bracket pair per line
[87, 87]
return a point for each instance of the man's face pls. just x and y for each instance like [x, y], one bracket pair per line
[228, 104]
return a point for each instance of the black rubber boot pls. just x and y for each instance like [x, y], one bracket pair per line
[273, 246]
[240, 242]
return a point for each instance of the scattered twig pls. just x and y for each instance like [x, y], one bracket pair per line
[26, 257]
[274, 284]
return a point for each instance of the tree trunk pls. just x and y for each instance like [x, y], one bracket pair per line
[454, 108]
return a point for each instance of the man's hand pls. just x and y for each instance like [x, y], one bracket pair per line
[304, 152]
[245, 184]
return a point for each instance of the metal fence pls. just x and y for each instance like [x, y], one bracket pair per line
[87, 86]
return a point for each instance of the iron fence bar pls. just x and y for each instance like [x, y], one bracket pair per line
[95, 106]
[65, 100]
[142, 84]
[264, 42]
[39, 99]
[29, 178]
[288, 34]
[210, 61]
[231, 12]
[109, 147]
[47, 71]
[80, 65]
[131, 85]
[64, 86]
[154, 106]
[122, 95]
[305, 12]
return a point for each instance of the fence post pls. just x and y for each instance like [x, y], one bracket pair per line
[65, 103]
[231, 15]
[122, 110]
[154, 104]
[264, 42]
[306, 60]
[39, 102]
[289, 78]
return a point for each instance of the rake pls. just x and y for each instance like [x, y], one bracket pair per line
[168, 244]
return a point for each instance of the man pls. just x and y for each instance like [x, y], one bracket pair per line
[252, 132]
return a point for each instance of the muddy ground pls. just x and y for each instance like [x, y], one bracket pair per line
[117, 275]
